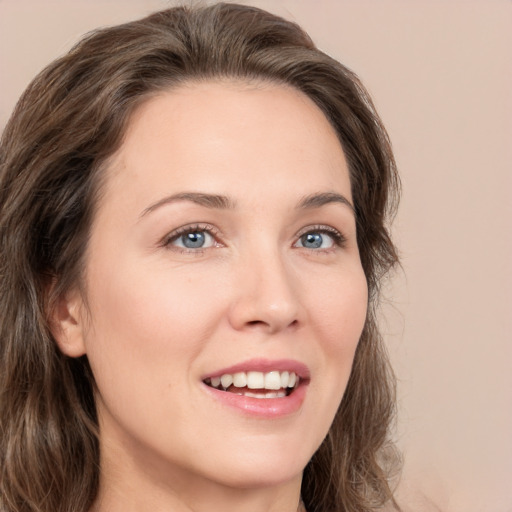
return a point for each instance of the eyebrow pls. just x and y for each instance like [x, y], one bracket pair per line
[322, 198]
[207, 200]
[220, 202]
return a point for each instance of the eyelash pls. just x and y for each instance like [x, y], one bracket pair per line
[184, 230]
[338, 238]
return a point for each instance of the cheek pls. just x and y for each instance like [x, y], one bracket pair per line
[130, 298]
[341, 318]
[341, 308]
[147, 327]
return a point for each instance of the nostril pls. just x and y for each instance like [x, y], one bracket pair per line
[269, 325]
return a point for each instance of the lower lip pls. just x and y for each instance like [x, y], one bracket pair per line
[266, 408]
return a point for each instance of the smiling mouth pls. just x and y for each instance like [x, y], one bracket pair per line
[273, 384]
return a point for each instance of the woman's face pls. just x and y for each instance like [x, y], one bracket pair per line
[223, 246]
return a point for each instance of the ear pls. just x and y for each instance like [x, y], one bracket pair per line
[67, 324]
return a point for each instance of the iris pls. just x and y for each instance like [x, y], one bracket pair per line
[312, 240]
[193, 240]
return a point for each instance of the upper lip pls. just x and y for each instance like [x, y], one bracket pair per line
[264, 365]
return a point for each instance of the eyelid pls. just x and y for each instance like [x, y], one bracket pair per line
[190, 228]
[337, 236]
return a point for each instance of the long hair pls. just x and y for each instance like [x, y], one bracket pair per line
[71, 118]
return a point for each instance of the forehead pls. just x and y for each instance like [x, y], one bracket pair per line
[232, 135]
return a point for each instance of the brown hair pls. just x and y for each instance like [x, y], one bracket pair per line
[67, 123]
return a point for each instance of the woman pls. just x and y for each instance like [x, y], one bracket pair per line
[193, 233]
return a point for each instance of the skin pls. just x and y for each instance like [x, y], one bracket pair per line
[155, 318]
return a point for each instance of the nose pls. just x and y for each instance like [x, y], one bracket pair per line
[265, 296]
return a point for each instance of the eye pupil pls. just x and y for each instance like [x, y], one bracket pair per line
[312, 240]
[193, 240]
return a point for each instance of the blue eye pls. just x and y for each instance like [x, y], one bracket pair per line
[321, 238]
[316, 241]
[312, 240]
[193, 239]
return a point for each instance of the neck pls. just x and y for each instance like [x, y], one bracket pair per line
[133, 488]
[205, 499]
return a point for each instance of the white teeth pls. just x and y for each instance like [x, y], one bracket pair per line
[240, 380]
[226, 380]
[255, 380]
[270, 394]
[273, 380]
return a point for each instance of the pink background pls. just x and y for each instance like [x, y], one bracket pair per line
[441, 75]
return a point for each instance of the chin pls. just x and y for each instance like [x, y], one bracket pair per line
[263, 476]
[264, 463]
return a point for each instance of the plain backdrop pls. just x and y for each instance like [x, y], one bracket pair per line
[440, 74]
